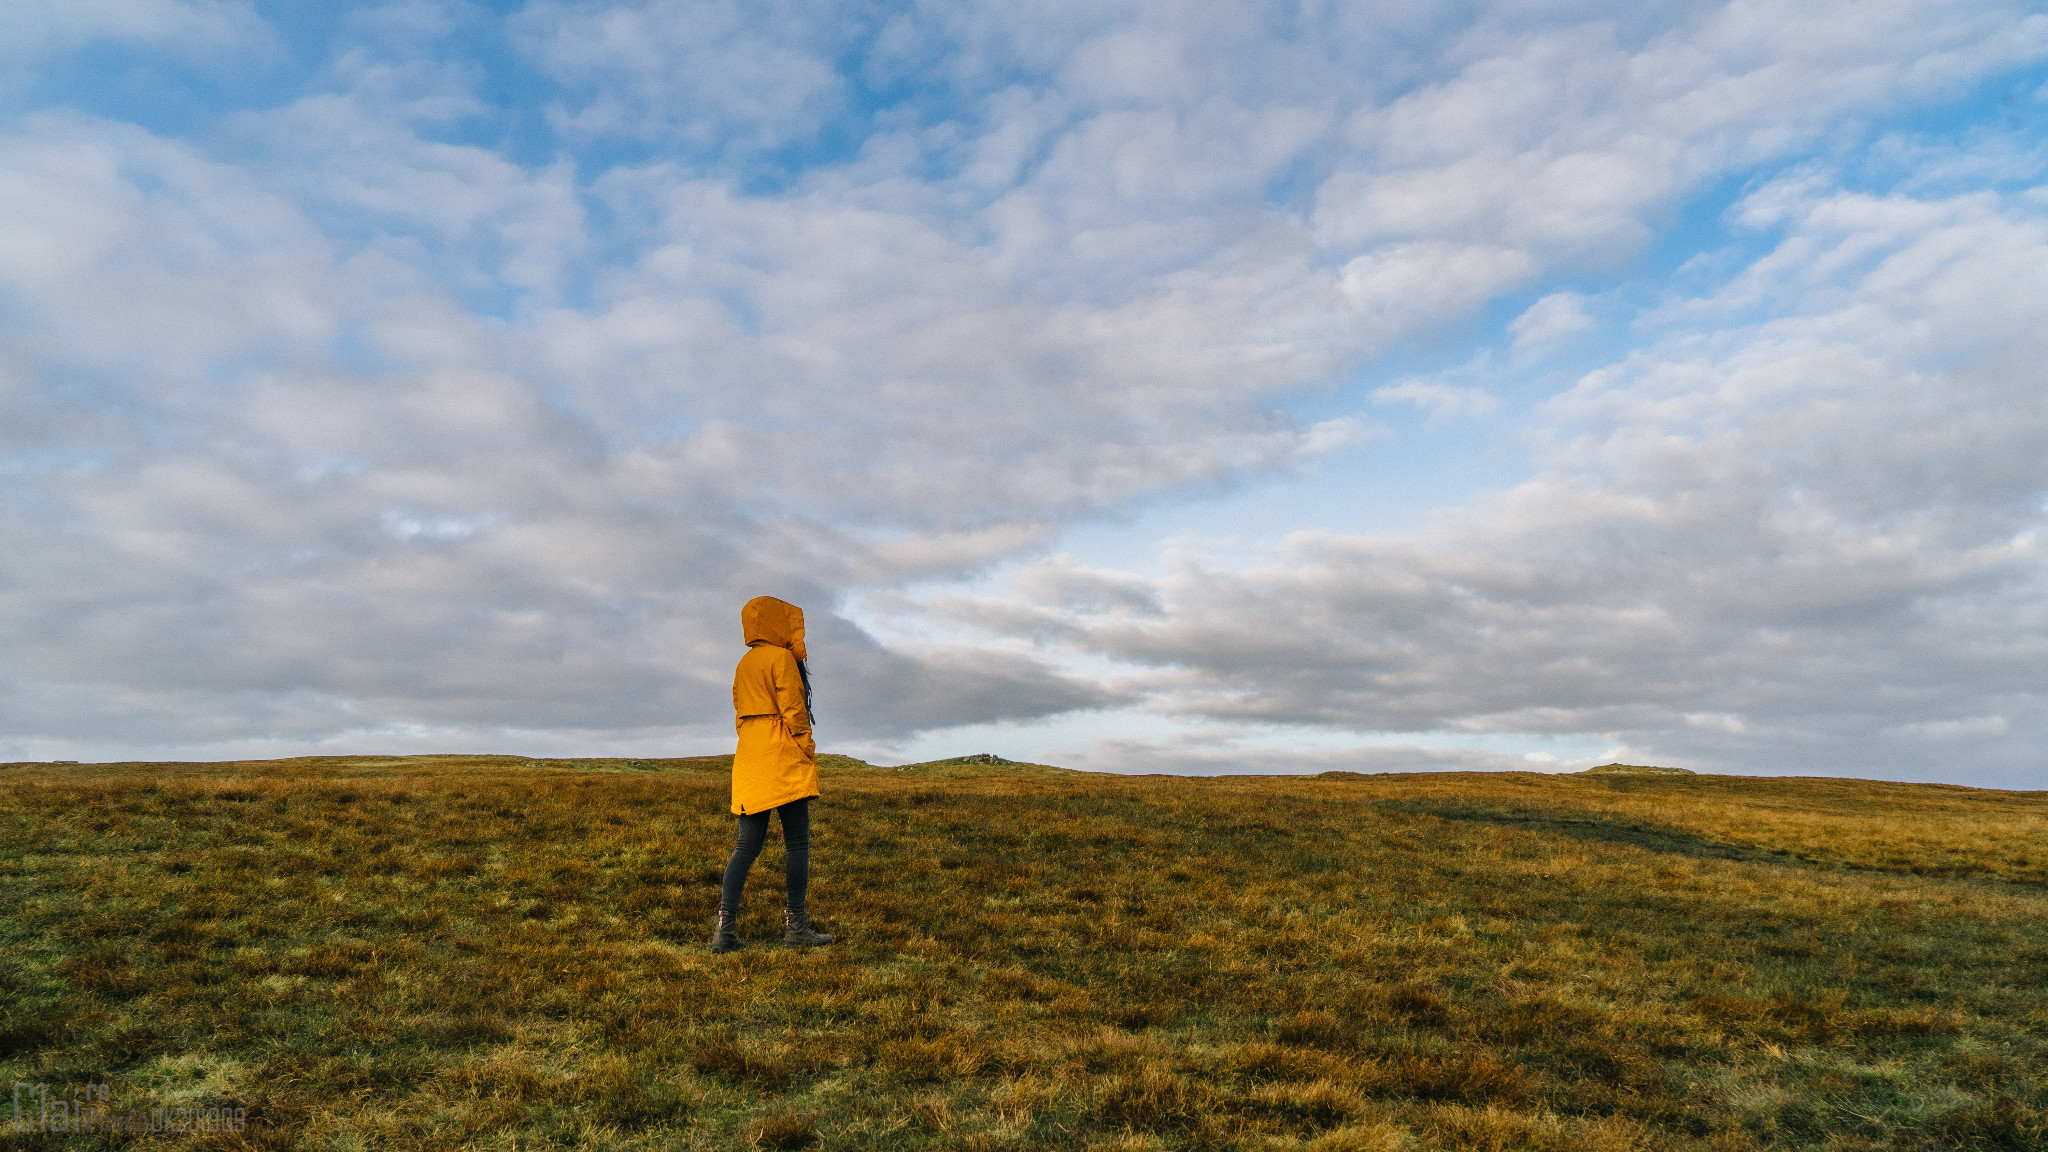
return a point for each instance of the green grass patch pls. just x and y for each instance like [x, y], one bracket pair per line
[492, 951]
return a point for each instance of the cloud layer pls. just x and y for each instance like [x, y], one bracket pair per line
[1814, 543]
[460, 393]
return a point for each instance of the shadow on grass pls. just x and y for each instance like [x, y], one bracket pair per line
[1600, 830]
[1595, 829]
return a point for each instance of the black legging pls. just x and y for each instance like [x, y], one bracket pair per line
[796, 853]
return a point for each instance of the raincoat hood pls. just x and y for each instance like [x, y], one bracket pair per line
[766, 620]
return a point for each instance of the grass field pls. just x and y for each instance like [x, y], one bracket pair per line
[501, 953]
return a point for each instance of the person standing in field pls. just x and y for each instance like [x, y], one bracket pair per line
[775, 768]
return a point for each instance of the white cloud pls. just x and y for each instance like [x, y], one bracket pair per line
[1441, 401]
[1964, 729]
[709, 73]
[1773, 548]
[181, 26]
[1201, 756]
[347, 416]
[257, 540]
[1549, 320]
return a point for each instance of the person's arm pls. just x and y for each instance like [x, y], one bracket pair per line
[789, 696]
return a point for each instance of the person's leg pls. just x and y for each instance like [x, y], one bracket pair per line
[796, 848]
[752, 831]
[796, 874]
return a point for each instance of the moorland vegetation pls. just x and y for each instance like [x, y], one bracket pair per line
[493, 952]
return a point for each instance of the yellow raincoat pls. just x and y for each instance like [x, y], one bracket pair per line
[777, 761]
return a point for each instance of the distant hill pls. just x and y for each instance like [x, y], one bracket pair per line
[1636, 770]
[980, 764]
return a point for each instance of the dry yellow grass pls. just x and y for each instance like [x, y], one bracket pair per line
[493, 952]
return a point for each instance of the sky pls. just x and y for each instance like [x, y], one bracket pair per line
[1144, 387]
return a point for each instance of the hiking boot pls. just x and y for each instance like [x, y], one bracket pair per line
[796, 930]
[727, 937]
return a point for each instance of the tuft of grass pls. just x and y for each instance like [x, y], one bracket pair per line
[492, 951]
[723, 1058]
[785, 1132]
